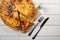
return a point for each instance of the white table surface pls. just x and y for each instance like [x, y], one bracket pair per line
[50, 31]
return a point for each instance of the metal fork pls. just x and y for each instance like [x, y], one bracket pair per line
[40, 19]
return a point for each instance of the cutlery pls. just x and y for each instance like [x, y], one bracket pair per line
[40, 19]
[40, 27]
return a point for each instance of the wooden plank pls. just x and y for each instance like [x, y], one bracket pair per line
[50, 9]
[29, 38]
[46, 31]
[46, 1]
[54, 20]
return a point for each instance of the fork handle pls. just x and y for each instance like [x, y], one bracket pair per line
[33, 29]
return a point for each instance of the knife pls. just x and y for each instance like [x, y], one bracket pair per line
[40, 27]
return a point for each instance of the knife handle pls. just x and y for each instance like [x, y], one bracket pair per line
[36, 34]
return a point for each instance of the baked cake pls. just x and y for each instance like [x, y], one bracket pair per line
[18, 14]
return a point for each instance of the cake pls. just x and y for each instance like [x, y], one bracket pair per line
[18, 14]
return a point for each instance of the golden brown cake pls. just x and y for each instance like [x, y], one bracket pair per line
[18, 14]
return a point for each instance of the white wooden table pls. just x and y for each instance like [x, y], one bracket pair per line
[50, 31]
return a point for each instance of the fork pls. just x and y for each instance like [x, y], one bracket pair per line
[40, 19]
